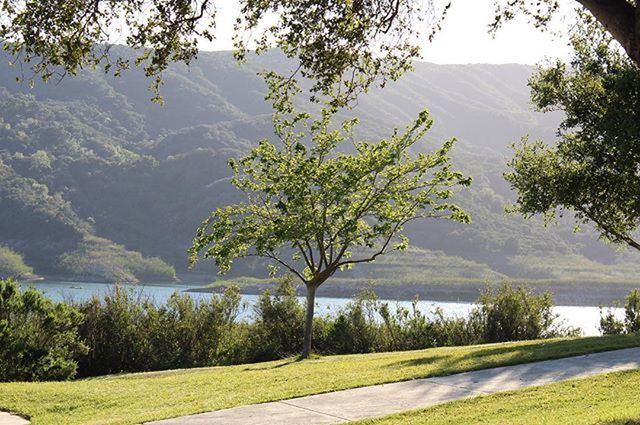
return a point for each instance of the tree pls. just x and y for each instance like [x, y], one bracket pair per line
[313, 210]
[620, 18]
[594, 167]
[343, 46]
[367, 39]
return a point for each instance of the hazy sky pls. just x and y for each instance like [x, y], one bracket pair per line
[464, 38]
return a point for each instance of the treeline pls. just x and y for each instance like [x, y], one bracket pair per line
[43, 340]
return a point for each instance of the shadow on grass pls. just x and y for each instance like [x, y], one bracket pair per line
[284, 362]
[621, 422]
[493, 356]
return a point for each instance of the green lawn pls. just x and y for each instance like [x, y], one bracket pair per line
[135, 398]
[606, 399]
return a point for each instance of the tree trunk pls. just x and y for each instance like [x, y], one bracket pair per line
[308, 323]
[621, 19]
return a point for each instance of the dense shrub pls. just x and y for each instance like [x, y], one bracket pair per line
[506, 314]
[279, 319]
[611, 325]
[451, 331]
[38, 338]
[513, 314]
[632, 312]
[127, 333]
[355, 329]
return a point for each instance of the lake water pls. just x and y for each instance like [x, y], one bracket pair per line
[585, 317]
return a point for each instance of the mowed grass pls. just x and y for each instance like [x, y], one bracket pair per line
[611, 399]
[136, 398]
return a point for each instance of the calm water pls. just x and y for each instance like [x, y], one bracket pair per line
[587, 318]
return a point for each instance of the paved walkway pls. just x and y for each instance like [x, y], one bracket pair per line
[7, 419]
[380, 400]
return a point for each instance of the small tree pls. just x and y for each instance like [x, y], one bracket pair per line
[315, 210]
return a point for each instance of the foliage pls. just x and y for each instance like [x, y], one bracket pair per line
[12, 264]
[125, 332]
[370, 39]
[129, 334]
[632, 312]
[279, 320]
[593, 169]
[38, 338]
[611, 325]
[355, 329]
[620, 19]
[511, 314]
[322, 204]
[342, 46]
[57, 38]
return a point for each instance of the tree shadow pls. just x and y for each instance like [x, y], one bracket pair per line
[494, 356]
[283, 363]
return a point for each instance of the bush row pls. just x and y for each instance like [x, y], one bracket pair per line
[42, 340]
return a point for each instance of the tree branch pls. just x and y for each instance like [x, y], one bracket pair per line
[291, 269]
[611, 231]
[621, 19]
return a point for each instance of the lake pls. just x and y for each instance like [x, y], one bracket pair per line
[585, 317]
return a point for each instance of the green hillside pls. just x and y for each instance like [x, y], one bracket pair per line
[96, 181]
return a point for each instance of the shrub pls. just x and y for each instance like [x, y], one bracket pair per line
[186, 333]
[451, 331]
[279, 322]
[38, 338]
[632, 312]
[355, 330]
[114, 333]
[129, 334]
[611, 325]
[407, 329]
[516, 313]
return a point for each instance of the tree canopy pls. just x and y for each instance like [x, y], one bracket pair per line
[343, 46]
[594, 167]
[314, 210]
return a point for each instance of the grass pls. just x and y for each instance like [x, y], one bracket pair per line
[136, 398]
[611, 399]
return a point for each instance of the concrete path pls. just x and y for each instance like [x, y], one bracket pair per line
[8, 419]
[380, 400]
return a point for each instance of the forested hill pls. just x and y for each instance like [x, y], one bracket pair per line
[96, 181]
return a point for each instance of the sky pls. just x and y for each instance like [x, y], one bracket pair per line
[464, 37]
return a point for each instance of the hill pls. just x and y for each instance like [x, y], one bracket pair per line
[98, 182]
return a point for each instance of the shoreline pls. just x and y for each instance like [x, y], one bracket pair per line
[565, 294]
[588, 294]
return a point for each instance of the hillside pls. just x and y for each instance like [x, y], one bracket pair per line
[96, 181]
